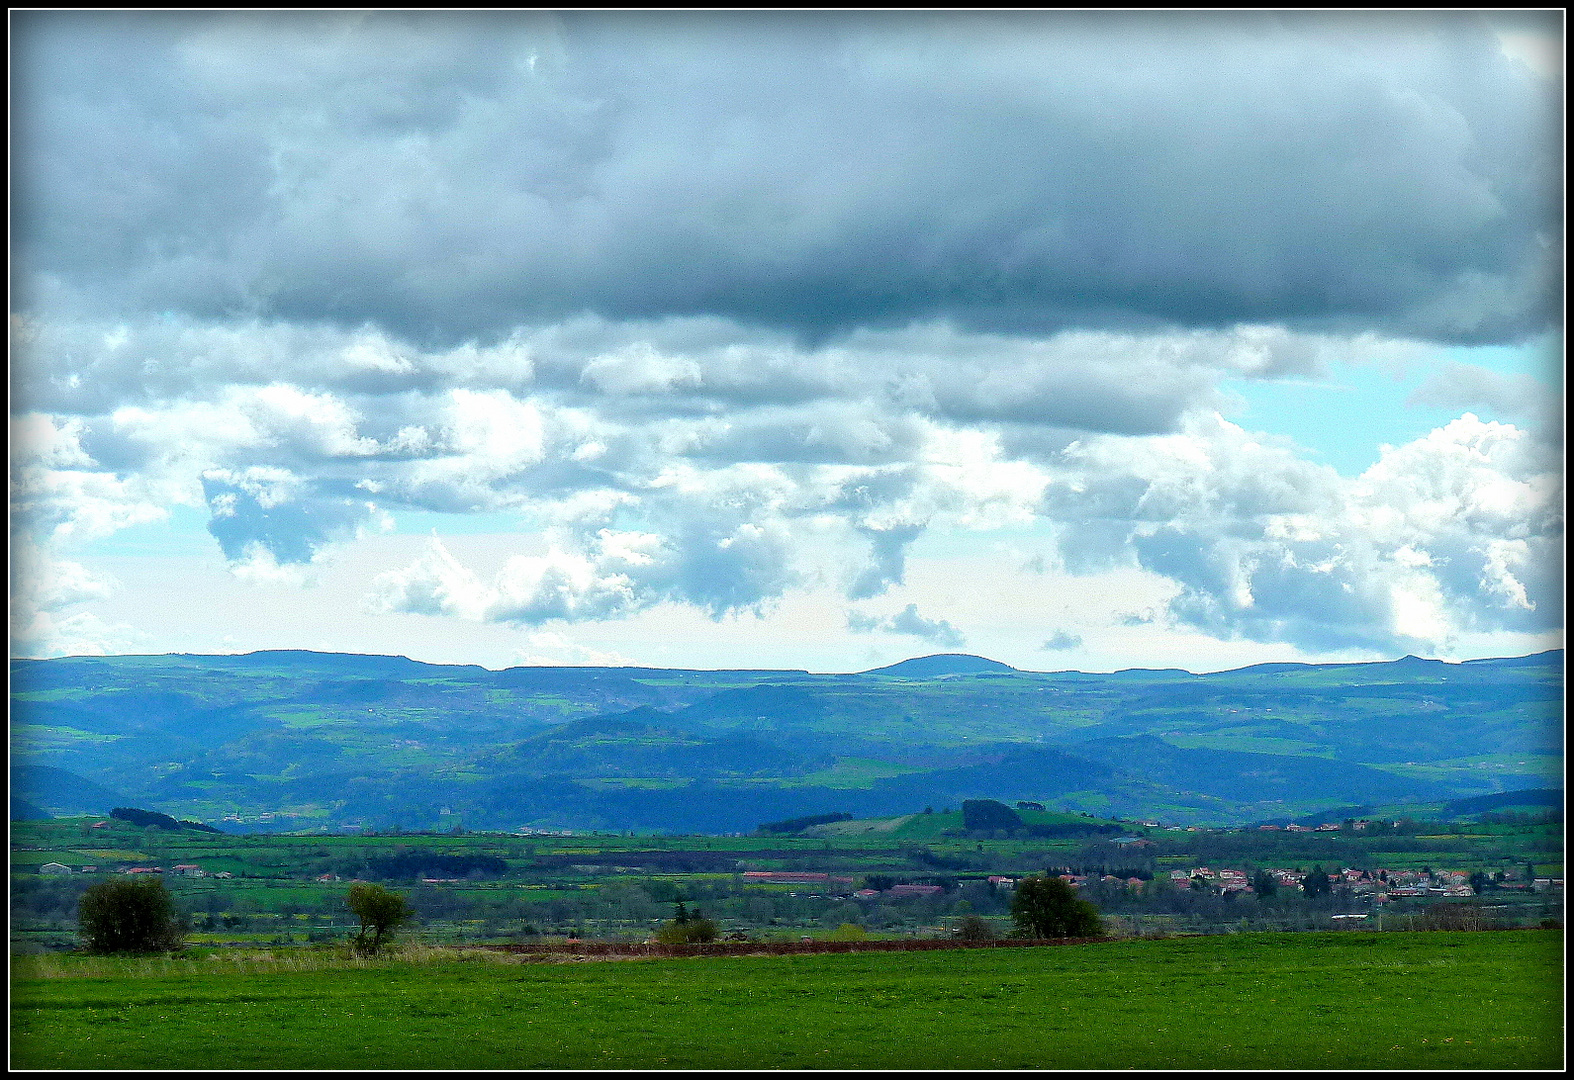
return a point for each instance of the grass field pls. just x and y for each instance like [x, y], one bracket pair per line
[1264, 1001]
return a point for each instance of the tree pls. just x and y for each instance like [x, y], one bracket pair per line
[381, 912]
[686, 929]
[1315, 883]
[987, 815]
[129, 916]
[1048, 907]
[1264, 885]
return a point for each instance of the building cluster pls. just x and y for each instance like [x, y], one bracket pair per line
[182, 869]
[1380, 886]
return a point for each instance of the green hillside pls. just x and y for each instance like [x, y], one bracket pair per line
[290, 740]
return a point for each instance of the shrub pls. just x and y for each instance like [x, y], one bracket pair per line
[848, 932]
[693, 932]
[121, 916]
[973, 928]
[686, 929]
[1455, 916]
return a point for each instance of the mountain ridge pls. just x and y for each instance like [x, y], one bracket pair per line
[297, 739]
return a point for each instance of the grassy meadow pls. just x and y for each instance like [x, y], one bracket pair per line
[1485, 1000]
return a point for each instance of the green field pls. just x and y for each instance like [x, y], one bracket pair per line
[290, 889]
[1248, 1001]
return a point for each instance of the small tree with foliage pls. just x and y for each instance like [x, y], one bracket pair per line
[381, 913]
[1315, 883]
[125, 916]
[1048, 907]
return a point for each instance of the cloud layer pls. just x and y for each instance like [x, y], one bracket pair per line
[450, 177]
[714, 308]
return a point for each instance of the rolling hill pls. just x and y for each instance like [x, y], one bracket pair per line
[297, 739]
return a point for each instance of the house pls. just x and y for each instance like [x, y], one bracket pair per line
[916, 890]
[54, 868]
[786, 877]
[1002, 882]
[189, 870]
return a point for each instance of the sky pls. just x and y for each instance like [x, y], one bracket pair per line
[1082, 341]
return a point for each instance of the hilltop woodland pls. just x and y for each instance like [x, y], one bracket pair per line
[927, 874]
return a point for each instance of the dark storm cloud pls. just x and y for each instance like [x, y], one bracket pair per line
[449, 177]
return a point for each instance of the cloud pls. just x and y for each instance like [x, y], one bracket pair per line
[1061, 641]
[271, 515]
[1468, 386]
[558, 651]
[716, 313]
[721, 565]
[1457, 531]
[889, 559]
[908, 621]
[46, 595]
[448, 177]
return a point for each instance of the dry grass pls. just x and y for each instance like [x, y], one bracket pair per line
[249, 962]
